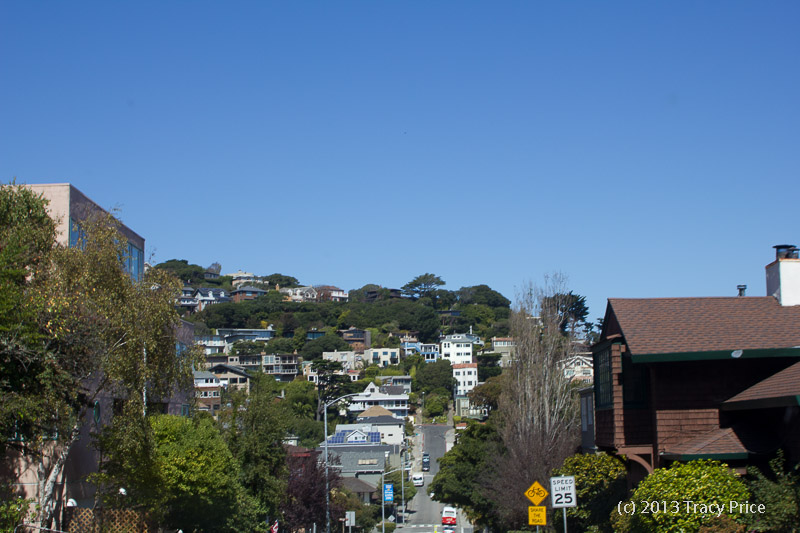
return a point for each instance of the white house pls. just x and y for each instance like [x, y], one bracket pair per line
[430, 352]
[382, 356]
[397, 404]
[466, 376]
[350, 360]
[457, 348]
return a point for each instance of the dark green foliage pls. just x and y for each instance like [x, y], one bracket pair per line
[488, 365]
[191, 274]
[570, 308]
[599, 484]
[279, 279]
[779, 491]
[423, 285]
[488, 393]
[249, 347]
[328, 343]
[280, 345]
[255, 437]
[432, 376]
[482, 295]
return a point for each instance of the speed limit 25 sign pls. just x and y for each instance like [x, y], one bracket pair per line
[562, 492]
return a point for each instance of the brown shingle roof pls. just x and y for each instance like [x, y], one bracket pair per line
[375, 410]
[720, 441]
[780, 389]
[674, 325]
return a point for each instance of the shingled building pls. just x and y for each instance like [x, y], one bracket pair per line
[678, 379]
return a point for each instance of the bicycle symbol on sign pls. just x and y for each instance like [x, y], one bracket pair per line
[536, 493]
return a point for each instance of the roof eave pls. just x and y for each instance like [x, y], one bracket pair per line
[715, 355]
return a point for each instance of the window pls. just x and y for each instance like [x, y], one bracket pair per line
[634, 384]
[602, 390]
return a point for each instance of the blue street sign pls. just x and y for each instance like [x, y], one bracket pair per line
[388, 492]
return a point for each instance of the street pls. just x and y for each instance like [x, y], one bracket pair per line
[425, 514]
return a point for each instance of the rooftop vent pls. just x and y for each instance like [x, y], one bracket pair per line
[742, 289]
[785, 251]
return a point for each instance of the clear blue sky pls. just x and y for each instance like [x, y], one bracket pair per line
[643, 149]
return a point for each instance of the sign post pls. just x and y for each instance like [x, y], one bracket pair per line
[562, 494]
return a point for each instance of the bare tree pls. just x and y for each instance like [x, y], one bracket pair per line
[538, 408]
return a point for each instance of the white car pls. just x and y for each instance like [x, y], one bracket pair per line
[418, 480]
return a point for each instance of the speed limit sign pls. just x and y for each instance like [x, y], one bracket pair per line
[562, 492]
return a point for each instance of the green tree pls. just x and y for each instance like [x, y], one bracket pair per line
[327, 343]
[81, 315]
[254, 427]
[282, 280]
[280, 345]
[463, 472]
[568, 309]
[488, 393]
[780, 494]
[423, 285]
[249, 347]
[191, 274]
[488, 365]
[482, 295]
[702, 482]
[600, 484]
[196, 476]
[437, 375]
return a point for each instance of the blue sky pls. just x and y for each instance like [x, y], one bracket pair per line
[643, 149]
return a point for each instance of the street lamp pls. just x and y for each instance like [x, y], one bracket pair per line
[383, 496]
[327, 483]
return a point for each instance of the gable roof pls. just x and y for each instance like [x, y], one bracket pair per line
[719, 443]
[384, 420]
[375, 410]
[779, 390]
[713, 326]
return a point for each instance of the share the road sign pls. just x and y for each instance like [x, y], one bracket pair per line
[537, 516]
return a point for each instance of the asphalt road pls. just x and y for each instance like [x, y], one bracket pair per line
[425, 514]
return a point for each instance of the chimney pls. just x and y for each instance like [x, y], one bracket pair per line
[783, 275]
[742, 289]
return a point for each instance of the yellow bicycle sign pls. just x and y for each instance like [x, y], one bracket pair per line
[536, 493]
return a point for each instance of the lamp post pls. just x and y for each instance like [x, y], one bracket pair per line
[327, 483]
[383, 496]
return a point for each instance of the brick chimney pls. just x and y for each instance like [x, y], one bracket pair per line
[783, 275]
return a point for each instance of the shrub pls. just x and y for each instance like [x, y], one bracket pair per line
[599, 486]
[708, 485]
[780, 494]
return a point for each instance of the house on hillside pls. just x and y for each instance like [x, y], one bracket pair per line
[300, 294]
[397, 404]
[382, 356]
[206, 296]
[208, 390]
[430, 352]
[686, 378]
[246, 292]
[457, 348]
[358, 339]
